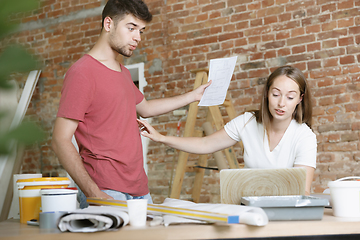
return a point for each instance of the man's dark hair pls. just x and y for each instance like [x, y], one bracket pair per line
[118, 9]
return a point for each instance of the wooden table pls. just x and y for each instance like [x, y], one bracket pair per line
[329, 227]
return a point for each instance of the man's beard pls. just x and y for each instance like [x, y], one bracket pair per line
[119, 49]
[123, 51]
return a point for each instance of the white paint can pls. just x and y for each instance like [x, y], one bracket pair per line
[58, 199]
[14, 209]
[30, 197]
[345, 197]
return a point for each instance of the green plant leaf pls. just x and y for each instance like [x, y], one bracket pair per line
[15, 59]
[4, 83]
[8, 7]
[6, 28]
[26, 133]
[4, 149]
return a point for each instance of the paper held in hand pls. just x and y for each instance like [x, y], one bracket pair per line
[220, 73]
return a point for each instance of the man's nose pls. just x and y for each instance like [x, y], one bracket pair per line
[137, 36]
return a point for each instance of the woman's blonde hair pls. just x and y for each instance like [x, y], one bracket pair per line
[303, 111]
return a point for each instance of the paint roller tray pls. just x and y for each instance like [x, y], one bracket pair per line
[297, 207]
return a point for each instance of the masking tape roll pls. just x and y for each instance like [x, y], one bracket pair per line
[50, 220]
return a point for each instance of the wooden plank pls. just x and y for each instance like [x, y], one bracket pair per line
[238, 183]
[219, 124]
[214, 116]
[205, 70]
[191, 213]
[201, 77]
[200, 172]
[219, 157]
[229, 107]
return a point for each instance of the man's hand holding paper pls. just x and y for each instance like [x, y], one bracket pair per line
[220, 73]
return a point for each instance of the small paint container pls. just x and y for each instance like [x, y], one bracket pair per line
[345, 197]
[29, 194]
[58, 199]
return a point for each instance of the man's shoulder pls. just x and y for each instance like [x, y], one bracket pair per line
[82, 63]
[84, 67]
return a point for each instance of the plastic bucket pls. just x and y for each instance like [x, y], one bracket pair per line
[58, 199]
[345, 197]
[14, 209]
[29, 195]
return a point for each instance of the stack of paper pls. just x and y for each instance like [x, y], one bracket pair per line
[93, 219]
[180, 211]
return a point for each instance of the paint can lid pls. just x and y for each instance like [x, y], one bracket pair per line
[45, 181]
[58, 191]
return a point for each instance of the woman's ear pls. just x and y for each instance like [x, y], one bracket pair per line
[301, 98]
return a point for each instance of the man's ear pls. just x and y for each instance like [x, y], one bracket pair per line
[107, 23]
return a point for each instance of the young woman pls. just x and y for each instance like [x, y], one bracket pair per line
[278, 135]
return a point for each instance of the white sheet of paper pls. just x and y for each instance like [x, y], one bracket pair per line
[220, 73]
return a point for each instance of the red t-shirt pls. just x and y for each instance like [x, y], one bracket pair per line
[104, 102]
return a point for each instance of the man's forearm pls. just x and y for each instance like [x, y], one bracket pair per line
[165, 105]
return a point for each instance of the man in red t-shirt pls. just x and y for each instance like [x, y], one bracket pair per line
[100, 103]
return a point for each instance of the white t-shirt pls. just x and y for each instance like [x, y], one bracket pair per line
[297, 146]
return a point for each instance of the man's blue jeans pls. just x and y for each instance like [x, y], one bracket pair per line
[115, 194]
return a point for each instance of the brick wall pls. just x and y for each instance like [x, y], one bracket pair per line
[322, 38]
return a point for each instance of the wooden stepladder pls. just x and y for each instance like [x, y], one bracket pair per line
[214, 118]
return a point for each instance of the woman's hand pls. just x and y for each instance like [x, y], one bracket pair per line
[148, 131]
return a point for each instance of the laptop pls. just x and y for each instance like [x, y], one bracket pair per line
[238, 183]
